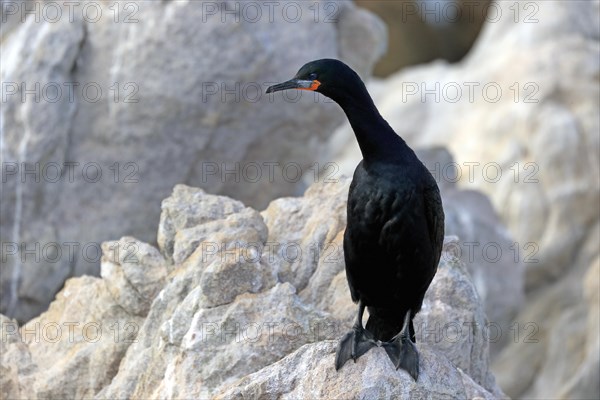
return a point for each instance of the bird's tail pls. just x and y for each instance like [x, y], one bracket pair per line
[385, 323]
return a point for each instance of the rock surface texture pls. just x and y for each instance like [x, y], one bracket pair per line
[252, 307]
[106, 106]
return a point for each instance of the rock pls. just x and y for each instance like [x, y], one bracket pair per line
[555, 340]
[196, 327]
[223, 296]
[223, 280]
[583, 382]
[188, 207]
[453, 319]
[200, 349]
[489, 251]
[16, 366]
[491, 256]
[134, 271]
[108, 108]
[74, 348]
[309, 373]
[302, 230]
[190, 217]
[247, 224]
[35, 131]
[442, 166]
[359, 47]
[451, 338]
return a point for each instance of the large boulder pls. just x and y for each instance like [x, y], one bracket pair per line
[106, 106]
[229, 318]
[221, 309]
[555, 340]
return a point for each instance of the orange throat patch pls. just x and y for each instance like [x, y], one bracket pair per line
[314, 85]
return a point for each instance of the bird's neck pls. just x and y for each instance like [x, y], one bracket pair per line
[376, 139]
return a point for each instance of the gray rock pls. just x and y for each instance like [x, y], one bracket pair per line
[453, 319]
[358, 45]
[223, 296]
[200, 349]
[246, 224]
[134, 272]
[73, 349]
[583, 382]
[491, 255]
[188, 207]
[555, 340]
[182, 101]
[452, 341]
[35, 137]
[16, 365]
[240, 272]
[302, 231]
[309, 373]
[194, 328]
[493, 258]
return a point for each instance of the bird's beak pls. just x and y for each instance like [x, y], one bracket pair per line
[295, 84]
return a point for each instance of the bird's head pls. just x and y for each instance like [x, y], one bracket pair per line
[327, 76]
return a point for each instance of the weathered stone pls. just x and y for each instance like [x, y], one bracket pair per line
[555, 341]
[188, 207]
[453, 319]
[491, 256]
[72, 350]
[359, 46]
[301, 230]
[170, 92]
[219, 316]
[309, 373]
[16, 367]
[239, 272]
[584, 383]
[243, 230]
[35, 132]
[134, 273]
[215, 345]
[451, 340]
[419, 32]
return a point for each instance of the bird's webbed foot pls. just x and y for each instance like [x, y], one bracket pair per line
[353, 345]
[402, 351]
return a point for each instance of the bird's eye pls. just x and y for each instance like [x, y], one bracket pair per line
[312, 76]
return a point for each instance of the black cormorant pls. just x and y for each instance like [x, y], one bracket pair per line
[395, 228]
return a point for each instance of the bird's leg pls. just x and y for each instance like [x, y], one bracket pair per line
[354, 343]
[402, 351]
